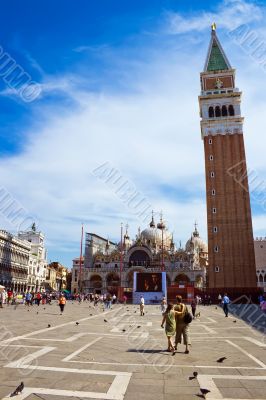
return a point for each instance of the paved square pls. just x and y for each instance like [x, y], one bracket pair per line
[119, 355]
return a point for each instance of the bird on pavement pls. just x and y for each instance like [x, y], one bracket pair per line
[105, 320]
[221, 359]
[138, 326]
[49, 326]
[234, 321]
[204, 392]
[18, 390]
[123, 330]
[77, 323]
[195, 374]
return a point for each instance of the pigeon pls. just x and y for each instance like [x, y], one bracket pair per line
[105, 320]
[138, 326]
[195, 374]
[220, 360]
[204, 392]
[91, 315]
[216, 308]
[49, 326]
[234, 321]
[44, 308]
[77, 323]
[123, 330]
[18, 390]
[135, 312]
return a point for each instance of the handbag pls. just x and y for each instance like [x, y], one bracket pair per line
[187, 317]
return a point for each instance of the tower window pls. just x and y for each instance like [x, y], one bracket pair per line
[216, 249]
[224, 111]
[211, 158]
[210, 141]
[213, 192]
[211, 112]
[212, 174]
[215, 229]
[214, 210]
[217, 269]
[217, 111]
[231, 110]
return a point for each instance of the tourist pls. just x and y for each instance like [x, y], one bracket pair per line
[9, 296]
[220, 299]
[114, 299]
[38, 298]
[125, 299]
[181, 326]
[62, 303]
[163, 305]
[141, 306]
[1, 299]
[28, 299]
[193, 307]
[4, 295]
[170, 325]
[225, 302]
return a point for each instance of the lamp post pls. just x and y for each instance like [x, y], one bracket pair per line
[80, 261]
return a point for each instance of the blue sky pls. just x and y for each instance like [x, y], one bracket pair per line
[119, 83]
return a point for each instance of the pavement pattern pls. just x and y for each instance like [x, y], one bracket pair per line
[119, 355]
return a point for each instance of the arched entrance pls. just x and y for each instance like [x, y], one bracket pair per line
[182, 280]
[95, 282]
[112, 279]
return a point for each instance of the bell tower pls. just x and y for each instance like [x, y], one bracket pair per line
[230, 235]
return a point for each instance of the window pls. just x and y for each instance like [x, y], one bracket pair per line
[216, 249]
[224, 111]
[211, 158]
[217, 111]
[211, 112]
[217, 269]
[214, 210]
[213, 192]
[212, 174]
[210, 141]
[215, 229]
[231, 110]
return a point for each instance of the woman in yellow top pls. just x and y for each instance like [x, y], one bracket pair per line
[62, 302]
[181, 326]
[170, 325]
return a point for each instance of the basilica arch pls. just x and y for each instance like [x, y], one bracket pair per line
[181, 279]
[139, 256]
[112, 279]
[96, 281]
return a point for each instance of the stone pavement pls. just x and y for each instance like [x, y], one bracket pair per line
[125, 357]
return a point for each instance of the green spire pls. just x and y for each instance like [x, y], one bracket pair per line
[216, 58]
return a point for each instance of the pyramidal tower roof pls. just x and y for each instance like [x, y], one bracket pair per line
[216, 59]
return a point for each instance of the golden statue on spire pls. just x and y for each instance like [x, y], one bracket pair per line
[213, 26]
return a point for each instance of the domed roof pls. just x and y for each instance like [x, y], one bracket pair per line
[196, 243]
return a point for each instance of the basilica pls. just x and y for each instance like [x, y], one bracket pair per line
[108, 265]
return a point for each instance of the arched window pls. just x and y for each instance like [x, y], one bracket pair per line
[260, 278]
[211, 112]
[224, 111]
[231, 110]
[217, 111]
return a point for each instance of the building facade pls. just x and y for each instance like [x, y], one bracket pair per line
[153, 250]
[14, 262]
[56, 277]
[37, 260]
[230, 235]
[260, 257]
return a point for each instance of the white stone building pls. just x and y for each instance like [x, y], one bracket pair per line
[37, 259]
[260, 257]
[14, 261]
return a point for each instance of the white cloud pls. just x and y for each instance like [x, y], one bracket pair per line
[230, 14]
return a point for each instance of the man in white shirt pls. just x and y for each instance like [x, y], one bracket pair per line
[141, 306]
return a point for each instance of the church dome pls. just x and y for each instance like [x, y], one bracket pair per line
[195, 243]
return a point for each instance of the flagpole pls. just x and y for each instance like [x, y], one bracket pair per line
[121, 259]
[80, 260]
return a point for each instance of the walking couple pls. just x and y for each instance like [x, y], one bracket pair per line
[173, 319]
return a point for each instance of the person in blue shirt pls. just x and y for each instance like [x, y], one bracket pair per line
[225, 303]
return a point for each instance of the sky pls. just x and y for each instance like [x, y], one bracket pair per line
[116, 111]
